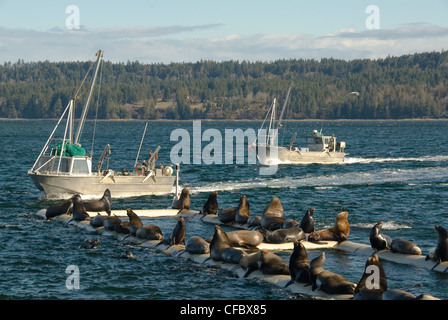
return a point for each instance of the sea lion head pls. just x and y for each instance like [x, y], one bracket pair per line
[274, 208]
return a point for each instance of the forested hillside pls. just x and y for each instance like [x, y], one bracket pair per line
[410, 86]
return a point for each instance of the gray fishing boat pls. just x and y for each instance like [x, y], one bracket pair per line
[319, 148]
[63, 168]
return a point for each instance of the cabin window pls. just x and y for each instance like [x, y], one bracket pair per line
[80, 166]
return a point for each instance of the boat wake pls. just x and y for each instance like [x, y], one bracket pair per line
[440, 158]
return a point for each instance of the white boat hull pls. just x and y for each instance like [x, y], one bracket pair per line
[59, 186]
[282, 155]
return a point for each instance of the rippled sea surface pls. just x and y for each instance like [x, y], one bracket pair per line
[396, 171]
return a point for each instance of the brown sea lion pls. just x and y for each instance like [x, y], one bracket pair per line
[250, 262]
[78, 210]
[211, 205]
[283, 235]
[183, 203]
[219, 242]
[243, 211]
[399, 245]
[378, 240]
[232, 255]
[338, 232]
[270, 263]
[197, 245]
[103, 204]
[178, 234]
[60, 208]
[245, 238]
[441, 252]
[110, 222]
[299, 264]
[227, 215]
[149, 232]
[307, 223]
[135, 222]
[373, 282]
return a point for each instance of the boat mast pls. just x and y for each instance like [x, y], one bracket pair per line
[86, 107]
[284, 108]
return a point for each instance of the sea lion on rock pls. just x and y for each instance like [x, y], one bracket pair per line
[245, 238]
[307, 223]
[135, 222]
[227, 215]
[98, 220]
[338, 232]
[211, 205]
[270, 263]
[219, 242]
[366, 288]
[249, 262]
[110, 223]
[328, 281]
[183, 203]
[60, 208]
[232, 255]
[149, 232]
[441, 252]
[299, 264]
[78, 210]
[399, 245]
[197, 245]
[378, 240]
[243, 211]
[283, 235]
[104, 204]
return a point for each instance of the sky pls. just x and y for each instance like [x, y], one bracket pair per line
[188, 31]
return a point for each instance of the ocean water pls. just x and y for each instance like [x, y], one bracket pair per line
[396, 171]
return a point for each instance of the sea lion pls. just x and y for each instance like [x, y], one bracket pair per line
[338, 232]
[283, 235]
[245, 238]
[270, 263]
[396, 294]
[104, 204]
[307, 223]
[227, 215]
[178, 234]
[299, 264]
[232, 255]
[60, 208]
[399, 245]
[123, 227]
[183, 203]
[278, 223]
[441, 252]
[110, 223]
[91, 244]
[78, 210]
[211, 205]
[249, 262]
[135, 222]
[98, 220]
[243, 211]
[197, 245]
[149, 232]
[366, 288]
[378, 240]
[219, 242]
[273, 215]
[328, 281]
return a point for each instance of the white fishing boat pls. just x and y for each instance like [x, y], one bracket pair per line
[319, 148]
[63, 168]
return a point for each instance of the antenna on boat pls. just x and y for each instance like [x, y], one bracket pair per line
[138, 154]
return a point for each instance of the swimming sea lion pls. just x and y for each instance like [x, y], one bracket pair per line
[299, 264]
[243, 211]
[104, 204]
[307, 222]
[110, 223]
[149, 232]
[405, 247]
[178, 234]
[338, 232]
[366, 288]
[183, 203]
[441, 252]
[378, 240]
[98, 220]
[219, 242]
[232, 255]
[60, 208]
[91, 244]
[197, 245]
[249, 262]
[245, 238]
[328, 281]
[227, 215]
[211, 205]
[78, 210]
[135, 222]
[270, 263]
[283, 235]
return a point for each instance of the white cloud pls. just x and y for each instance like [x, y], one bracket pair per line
[175, 43]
